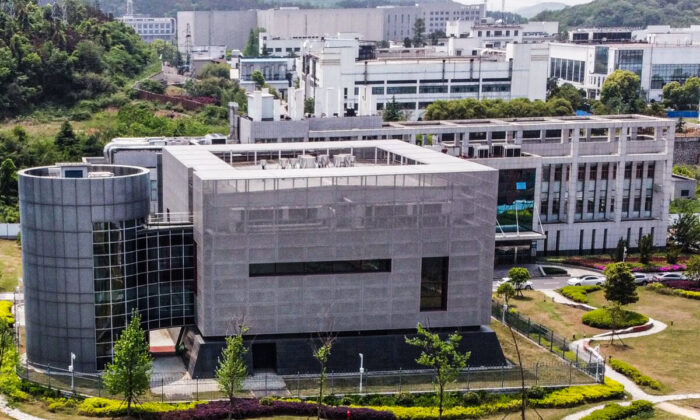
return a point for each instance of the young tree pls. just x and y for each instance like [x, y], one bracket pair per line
[419, 33]
[407, 42]
[258, 78]
[685, 232]
[518, 276]
[309, 105]
[8, 179]
[693, 267]
[619, 254]
[443, 357]
[232, 370]
[252, 47]
[392, 111]
[321, 353]
[506, 291]
[620, 290]
[130, 371]
[680, 125]
[646, 246]
[66, 140]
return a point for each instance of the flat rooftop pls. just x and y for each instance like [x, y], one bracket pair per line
[316, 159]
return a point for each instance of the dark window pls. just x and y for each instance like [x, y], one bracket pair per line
[685, 193]
[319, 267]
[73, 173]
[433, 284]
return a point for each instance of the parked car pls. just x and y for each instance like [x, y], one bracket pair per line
[669, 276]
[589, 280]
[641, 278]
[527, 285]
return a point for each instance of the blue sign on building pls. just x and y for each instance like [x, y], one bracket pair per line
[520, 186]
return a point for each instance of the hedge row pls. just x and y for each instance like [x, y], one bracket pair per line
[578, 293]
[617, 412]
[105, 407]
[562, 398]
[634, 374]
[689, 285]
[250, 408]
[660, 288]
[600, 318]
[6, 312]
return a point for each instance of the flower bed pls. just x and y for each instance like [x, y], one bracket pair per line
[250, 408]
[683, 285]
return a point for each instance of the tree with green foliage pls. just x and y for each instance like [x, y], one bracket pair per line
[506, 291]
[66, 141]
[693, 267]
[471, 108]
[154, 86]
[6, 339]
[392, 111]
[622, 93]
[407, 42]
[321, 353]
[575, 97]
[685, 232]
[129, 373]
[8, 180]
[518, 276]
[215, 70]
[442, 356]
[435, 36]
[646, 247]
[232, 369]
[167, 52]
[418, 33]
[252, 47]
[258, 78]
[684, 96]
[680, 125]
[620, 289]
[309, 106]
[620, 250]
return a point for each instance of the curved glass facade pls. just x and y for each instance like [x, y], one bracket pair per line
[145, 268]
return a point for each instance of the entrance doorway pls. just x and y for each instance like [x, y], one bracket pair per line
[264, 356]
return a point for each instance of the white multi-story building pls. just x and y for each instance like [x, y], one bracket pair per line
[489, 33]
[152, 28]
[657, 57]
[332, 71]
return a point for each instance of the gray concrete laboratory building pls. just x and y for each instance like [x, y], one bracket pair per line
[362, 239]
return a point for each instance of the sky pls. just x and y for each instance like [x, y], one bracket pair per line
[512, 5]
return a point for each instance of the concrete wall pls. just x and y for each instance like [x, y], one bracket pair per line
[57, 258]
[217, 27]
[686, 151]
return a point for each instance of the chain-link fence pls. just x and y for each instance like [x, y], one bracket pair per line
[179, 387]
[546, 338]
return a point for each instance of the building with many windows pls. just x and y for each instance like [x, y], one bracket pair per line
[656, 56]
[152, 28]
[333, 72]
[390, 23]
[363, 239]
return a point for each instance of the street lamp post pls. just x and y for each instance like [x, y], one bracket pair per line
[362, 369]
[72, 373]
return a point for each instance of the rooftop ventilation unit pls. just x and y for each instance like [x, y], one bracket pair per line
[344, 160]
[323, 161]
[307, 161]
[100, 174]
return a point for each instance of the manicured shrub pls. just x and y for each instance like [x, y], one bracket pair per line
[104, 407]
[554, 271]
[577, 395]
[37, 390]
[58, 404]
[617, 412]
[600, 318]
[6, 312]
[634, 374]
[664, 290]
[578, 293]
[536, 392]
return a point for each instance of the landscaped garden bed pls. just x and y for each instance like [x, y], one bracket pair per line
[600, 318]
[657, 263]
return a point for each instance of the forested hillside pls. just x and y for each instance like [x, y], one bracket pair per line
[51, 59]
[637, 13]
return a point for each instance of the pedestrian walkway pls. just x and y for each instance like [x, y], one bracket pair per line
[13, 412]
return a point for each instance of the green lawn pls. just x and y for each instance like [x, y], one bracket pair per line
[562, 319]
[671, 356]
[10, 265]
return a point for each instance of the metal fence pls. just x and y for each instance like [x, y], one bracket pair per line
[178, 387]
[546, 338]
